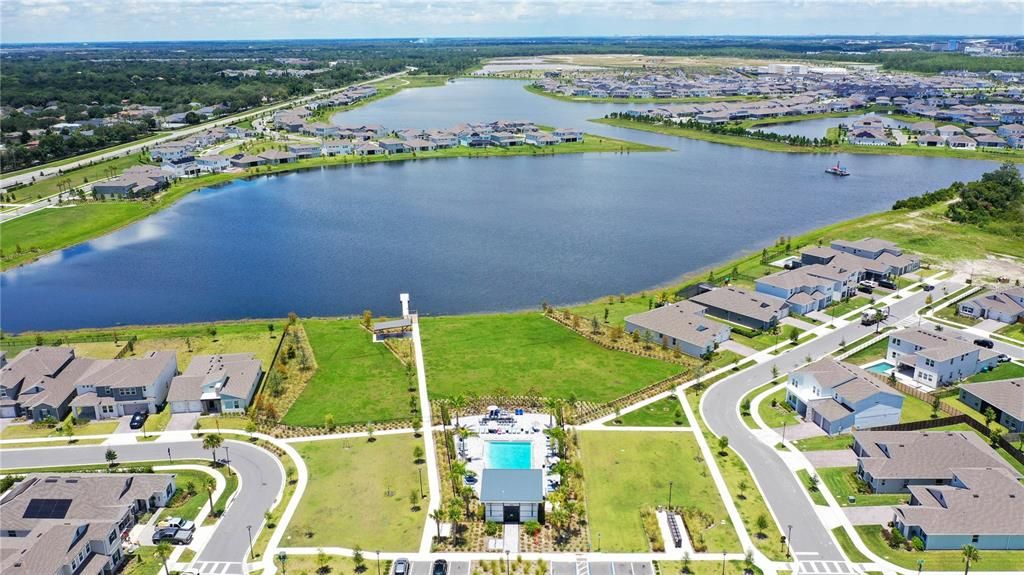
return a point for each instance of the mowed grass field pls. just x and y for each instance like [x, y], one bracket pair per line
[358, 495]
[625, 471]
[356, 380]
[521, 353]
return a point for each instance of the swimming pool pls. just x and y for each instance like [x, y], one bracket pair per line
[881, 367]
[509, 454]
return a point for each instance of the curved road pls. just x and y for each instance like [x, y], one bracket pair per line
[260, 483]
[783, 492]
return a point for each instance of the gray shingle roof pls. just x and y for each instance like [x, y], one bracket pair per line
[981, 502]
[1006, 395]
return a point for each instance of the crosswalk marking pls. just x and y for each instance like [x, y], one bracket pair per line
[825, 568]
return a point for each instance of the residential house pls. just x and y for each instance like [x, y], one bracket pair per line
[181, 167]
[880, 259]
[31, 372]
[1013, 133]
[893, 461]
[512, 495]
[922, 128]
[302, 151]
[681, 326]
[948, 131]
[277, 157]
[568, 135]
[961, 142]
[983, 507]
[443, 139]
[112, 388]
[931, 141]
[747, 308]
[246, 161]
[837, 396]
[216, 384]
[1005, 397]
[213, 163]
[75, 524]
[1005, 305]
[170, 151]
[393, 145]
[419, 145]
[542, 139]
[336, 147]
[812, 287]
[934, 358]
[368, 149]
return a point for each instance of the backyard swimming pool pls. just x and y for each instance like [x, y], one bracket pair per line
[509, 454]
[882, 367]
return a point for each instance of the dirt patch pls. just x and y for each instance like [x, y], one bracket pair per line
[991, 267]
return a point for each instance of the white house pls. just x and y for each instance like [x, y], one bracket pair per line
[936, 358]
[213, 163]
[837, 396]
[336, 147]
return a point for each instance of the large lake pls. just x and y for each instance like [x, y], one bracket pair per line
[462, 235]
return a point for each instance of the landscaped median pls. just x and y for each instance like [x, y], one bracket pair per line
[28, 237]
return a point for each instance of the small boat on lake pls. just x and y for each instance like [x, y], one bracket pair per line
[837, 170]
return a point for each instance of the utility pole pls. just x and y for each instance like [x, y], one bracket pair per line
[670, 495]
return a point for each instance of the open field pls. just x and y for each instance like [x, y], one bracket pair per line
[356, 380]
[626, 471]
[527, 353]
[662, 413]
[358, 495]
[951, 560]
[774, 146]
[52, 229]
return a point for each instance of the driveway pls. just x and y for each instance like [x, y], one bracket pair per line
[182, 422]
[737, 347]
[798, 323]
[124, 424]
[871, 515]
[990, 325]
[832, 458]
[802, 430]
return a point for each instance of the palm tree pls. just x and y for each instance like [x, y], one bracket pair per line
[163, 551]
[458, 403]
[212, 441]
[553, 404]
[438, 516]
[971, 555]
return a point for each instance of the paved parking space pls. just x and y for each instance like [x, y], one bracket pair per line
[458, 568]
[801, 431]
[832, 458]
[620, 568]
[563, 568]
[738, 348]
[182, 422]
[419, 568]
[990, 325]
[873, 515]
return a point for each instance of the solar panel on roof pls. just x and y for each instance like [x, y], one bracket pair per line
[47, 509]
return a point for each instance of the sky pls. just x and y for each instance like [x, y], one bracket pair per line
[135, 20]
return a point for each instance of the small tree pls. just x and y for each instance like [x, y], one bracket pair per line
[417, 453]
[990, 415]
[745, 406]
[417, 426]
[292, 318]
[794, 334]
[686, 561]
[723, 444]
[270, 328]
[743, 486]
[329, 421]
[323, 562]
[935, 407]
[358, 559]
[812, 482]
[970, 555]
[761, 523]
[212, 330]
[367, 318]
[369, 433]
[111, 457]
[414, 499]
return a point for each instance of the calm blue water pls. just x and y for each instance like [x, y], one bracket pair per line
[882, 367]
[509, 455]
[461, 235]
[817, 128]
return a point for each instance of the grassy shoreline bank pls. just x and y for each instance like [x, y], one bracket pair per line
[590, 99]
[771, 146]
[52, 229]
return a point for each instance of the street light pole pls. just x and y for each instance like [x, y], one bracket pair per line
[723, 562]
[670, 494]
[421, 482]
[169, 460]
[920, 565]
[249, 529]
[789, 539]
[508, 564]
[227, 456]
[378, 562]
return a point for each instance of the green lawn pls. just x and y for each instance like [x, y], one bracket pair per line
[949, 313]
[33, 430]
[849, 549]
[527, 353]
[617, 311]
[840, 309]
[951, 560]
[779, 415]
[143, 561]
[841, 481]
[356, 381]
[626, 471]
[825, 443]
[816, 496]
[185, 505]
[662, 413]
[358, 495]
[870, 353]
[1013, 331]
[915, 409]
[1008, 370]
[708, 568]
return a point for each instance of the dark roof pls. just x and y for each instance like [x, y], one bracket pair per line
[512, 485]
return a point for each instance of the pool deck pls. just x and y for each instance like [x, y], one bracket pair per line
[528, 428]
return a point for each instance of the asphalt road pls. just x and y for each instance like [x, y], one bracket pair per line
[260, 481]
[780, 487]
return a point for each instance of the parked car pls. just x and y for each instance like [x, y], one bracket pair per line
[182, 537]
[139, 419]
[440, 567]
[988, 343]
[865, 289]
[178, 523]
[868, 284]
[928, 287]
[887, 284]
[164, 534]
[401, 567]
[1003, 358]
